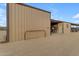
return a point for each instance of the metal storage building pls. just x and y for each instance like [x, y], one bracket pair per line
[60, 26]
[26, 22]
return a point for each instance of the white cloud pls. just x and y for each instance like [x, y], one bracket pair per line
[76, 16]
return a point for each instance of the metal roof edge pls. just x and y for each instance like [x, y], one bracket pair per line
[33, 7]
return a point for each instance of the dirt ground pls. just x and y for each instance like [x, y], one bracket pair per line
[56, 45]
[2, 35]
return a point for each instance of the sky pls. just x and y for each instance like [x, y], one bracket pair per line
[68, 12]
[2, 14]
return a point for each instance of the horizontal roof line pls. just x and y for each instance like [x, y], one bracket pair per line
[58, 21]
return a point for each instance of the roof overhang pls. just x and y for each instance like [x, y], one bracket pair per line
[56, 21]
[74, 24]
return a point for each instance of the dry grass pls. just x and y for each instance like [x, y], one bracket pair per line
[57, 44]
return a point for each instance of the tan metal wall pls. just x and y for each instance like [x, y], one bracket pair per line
[64, 27]
[67, 27]
[60, 27]
[26, 21]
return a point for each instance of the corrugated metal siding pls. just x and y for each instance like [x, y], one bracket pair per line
[67, 27]
[35, 34]
[22, 19]
[62, 27]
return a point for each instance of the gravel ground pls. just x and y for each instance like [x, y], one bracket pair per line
[55, 45]
[2, 35]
